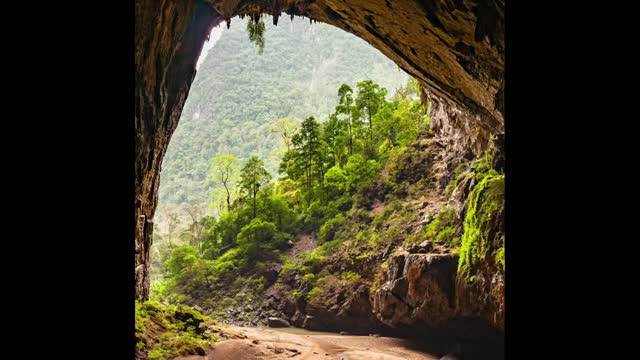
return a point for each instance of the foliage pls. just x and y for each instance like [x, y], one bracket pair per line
[236, 95]
[252, 177]
[330, 168]
[486, 203]
[255, 30]
[164, 332]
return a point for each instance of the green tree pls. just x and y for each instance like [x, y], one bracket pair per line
[181, 259]
[335, 182]
[371, 97]
[257, 235]
[346, 107]
[306, 151]
[223, 171]
[253, 176]
[333, 131]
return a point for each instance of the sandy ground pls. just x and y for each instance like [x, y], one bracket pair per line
[264, 343]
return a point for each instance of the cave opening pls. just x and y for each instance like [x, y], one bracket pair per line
[455, 51]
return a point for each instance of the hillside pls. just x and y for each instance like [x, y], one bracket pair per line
[237, 94]
[377, 226]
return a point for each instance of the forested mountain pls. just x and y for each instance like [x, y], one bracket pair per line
[238, 94]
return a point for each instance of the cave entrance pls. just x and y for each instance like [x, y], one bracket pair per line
[454, 49]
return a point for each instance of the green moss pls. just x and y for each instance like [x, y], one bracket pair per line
[446, 234]
[309, 279]
[174, 330]
[486, 200]
[314, 295]
[441, 230]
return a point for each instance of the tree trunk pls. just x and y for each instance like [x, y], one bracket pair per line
[228, 196]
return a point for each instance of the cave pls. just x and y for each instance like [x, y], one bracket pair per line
[455, 49]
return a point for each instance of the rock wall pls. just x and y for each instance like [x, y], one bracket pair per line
[169, 38]
[454, 48]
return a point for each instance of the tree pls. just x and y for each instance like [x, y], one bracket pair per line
[306, 152]
[371, 97]
[172, 224]
[333, 135]
[253, 176]
[285, 128]
[345, 107]
[224, 170]
[197, 226]
[257, 235]
[335, 181]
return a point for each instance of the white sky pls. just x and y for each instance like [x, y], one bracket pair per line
[214, 36]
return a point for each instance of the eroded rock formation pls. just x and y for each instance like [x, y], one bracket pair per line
[454, 48]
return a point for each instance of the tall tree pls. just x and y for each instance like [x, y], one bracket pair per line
[333, 135]
[196, 214]
[345, 107]
[252, 178]
[371, 97]
[306, 145]
[223, 171]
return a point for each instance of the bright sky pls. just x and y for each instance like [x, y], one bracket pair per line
[214, 36]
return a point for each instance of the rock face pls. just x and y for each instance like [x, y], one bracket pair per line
[419, 288]
[346, 310]
[275, 322]
[455, 49]
[425, 291]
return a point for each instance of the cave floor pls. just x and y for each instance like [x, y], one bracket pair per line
[246, 343]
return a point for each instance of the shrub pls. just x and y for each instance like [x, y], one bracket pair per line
[328, 230]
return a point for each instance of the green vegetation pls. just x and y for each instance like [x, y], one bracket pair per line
[164, 332]
[255, 30]
[486, 203]
[238, 97]
[326, 286]
[326, 171]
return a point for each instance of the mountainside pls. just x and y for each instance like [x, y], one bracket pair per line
[297, 76]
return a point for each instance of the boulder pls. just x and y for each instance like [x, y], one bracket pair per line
[271, 272]
[276, 322]
[310, 323]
